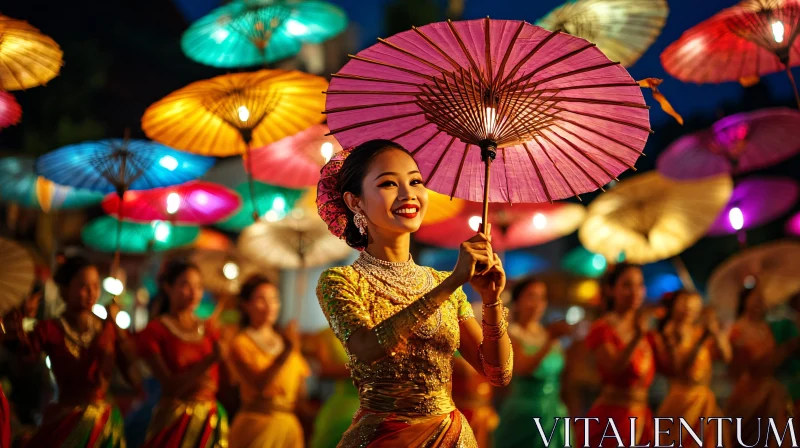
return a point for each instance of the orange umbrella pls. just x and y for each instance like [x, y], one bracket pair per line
[28, 58]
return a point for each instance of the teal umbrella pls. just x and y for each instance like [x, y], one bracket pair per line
[136, 238]
[580, 261]
[18, 184]
[277, 201]
[245, 33]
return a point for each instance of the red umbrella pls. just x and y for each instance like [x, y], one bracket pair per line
[549, 111]
[295, 161]
[197, 202]
[513, 227]
[746, 41]
[10, 111]
[736, 144]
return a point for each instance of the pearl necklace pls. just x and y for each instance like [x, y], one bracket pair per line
[390, 277]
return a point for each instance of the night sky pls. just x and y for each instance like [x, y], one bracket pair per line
[122, 55]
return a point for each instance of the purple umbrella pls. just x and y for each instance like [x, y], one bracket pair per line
[736, 144]
[755, 201]
[793, 226]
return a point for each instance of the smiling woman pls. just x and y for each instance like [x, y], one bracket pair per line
[399, 322]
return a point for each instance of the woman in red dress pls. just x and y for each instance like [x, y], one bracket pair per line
[625, 362]
[183, 354]
[83, 351]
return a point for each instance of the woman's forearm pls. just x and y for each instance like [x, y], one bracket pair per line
[496, 352]
[624, 359]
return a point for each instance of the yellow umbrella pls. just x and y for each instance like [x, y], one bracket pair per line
[622, 29]
[441, 208]
[649, 218]
[16, 276]
[772, 267]
[226, 115]
[28, 58]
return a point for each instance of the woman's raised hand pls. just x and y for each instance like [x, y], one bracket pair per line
[475, 257]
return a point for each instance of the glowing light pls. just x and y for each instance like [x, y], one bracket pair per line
[272, 216]
[736, 218]
[539, 221]
[598, 262]
[279, 203]
[778, 31]
[169, 162]
[574, 315]
[201, 198]
[296, 28]
[123, 320]
[475, 223]
[220, 35]
[587, 290]
[491, 120]
[327, 151]
[47, 362]
[162, 231]
[173, 203]
[230, 270]
[750, 282]
[113, 286]
[244, 113]
[99, 311]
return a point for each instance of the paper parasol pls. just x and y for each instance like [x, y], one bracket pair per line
[230, 114]
[553, 114]
[736, 144]
[513, 227]
[136, 238]
[755, 201]
[623, 29]
[295, 161]
[28, 58]
[771, 267]
[650, 218]
[193, 203]
[580, 261]
[222, 272]
[17, 275]
[20, 184]
[277, 201]
[244, 33]
[740, 43]
[10, 110]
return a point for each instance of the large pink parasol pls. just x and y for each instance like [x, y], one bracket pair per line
[551, 113]
[514, 227]
[10, 110]
[736, 144]
[295, 161]
[196, 202]
[755, 201]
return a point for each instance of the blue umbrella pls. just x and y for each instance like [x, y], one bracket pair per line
[117, 165]
[18, 181]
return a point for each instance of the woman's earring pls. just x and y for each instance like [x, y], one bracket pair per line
[361, 222]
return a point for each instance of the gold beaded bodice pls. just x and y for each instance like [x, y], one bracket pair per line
[415, 379]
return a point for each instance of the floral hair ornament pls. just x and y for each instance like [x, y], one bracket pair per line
[330, 203]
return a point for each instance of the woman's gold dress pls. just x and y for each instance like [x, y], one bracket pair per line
[406, 398]
[266, 417]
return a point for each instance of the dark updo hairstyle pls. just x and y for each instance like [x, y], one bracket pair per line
[611, 278]
[71, 267]
[170, 272]
[351, 178]
[521, 285]
[246, 294]
[668, 300]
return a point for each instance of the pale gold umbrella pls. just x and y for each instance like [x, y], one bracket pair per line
[622, 29]
[773, 267]
[224, 272]
[648, 217]
[28, 58]
[17, 274]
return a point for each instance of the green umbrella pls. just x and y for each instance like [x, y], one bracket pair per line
[136, 238]
[276, 200]
[20, 184]
[245, 33]
[580, 261]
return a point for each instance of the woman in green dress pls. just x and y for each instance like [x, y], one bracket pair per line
[536, 384]
[787, 331]
[336, 414]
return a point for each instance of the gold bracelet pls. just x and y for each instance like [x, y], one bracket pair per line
[498, 302]
[494, 332]
[498, 375]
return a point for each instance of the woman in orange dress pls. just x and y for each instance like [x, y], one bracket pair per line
[183, 354]
[84, 351]
[270, 372]
[625, 362]
[757, 394]
[400, 322]
[685, 349]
